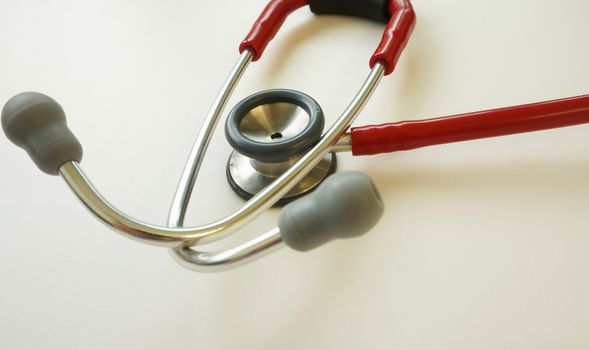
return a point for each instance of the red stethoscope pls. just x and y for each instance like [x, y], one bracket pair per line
[281, 152]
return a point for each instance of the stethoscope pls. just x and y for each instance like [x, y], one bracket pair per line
[282, 155]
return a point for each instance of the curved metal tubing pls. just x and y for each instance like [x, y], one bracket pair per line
[258, 247]
[199, 149]
[183, 237]
[230, 258]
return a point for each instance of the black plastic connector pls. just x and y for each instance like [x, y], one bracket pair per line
[375, 10]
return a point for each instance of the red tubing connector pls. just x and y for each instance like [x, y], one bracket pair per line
[268, 25]
[409, 135]
[396, 35]
[394, 39]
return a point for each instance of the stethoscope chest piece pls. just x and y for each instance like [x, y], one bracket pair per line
[269, 132]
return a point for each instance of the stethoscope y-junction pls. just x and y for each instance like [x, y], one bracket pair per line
[282, 154]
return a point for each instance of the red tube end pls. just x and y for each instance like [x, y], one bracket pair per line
[268, 24]
[396, 35]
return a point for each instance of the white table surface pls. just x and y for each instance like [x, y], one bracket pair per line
[483, 245]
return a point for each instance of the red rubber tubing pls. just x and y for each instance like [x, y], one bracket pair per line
[396, 35]
[394, 40]
[407, 135]
[268, 24]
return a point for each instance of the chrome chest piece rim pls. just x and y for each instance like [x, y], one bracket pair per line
[270, 131]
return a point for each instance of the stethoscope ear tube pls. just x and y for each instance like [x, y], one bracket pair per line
[346, 205]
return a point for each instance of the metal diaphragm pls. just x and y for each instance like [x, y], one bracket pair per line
[269, 132]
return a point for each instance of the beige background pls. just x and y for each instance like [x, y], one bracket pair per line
[484, 244]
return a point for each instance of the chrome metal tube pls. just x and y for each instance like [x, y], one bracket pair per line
[177, 237]
[265, 244]
[230, 258]
[197, 154]
[344, 144]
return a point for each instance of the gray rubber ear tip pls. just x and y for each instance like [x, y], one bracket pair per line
[36, 123]
[346, 205]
